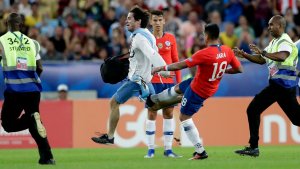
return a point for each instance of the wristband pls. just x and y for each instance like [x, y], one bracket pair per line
[166, 68]
[264, 53]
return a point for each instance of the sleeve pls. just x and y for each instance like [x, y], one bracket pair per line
[37, 48]
[1, 51]
[285, 46]
[174, 55]
[195, 59]
[144, 46]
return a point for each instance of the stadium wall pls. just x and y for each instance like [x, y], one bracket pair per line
[221, 122]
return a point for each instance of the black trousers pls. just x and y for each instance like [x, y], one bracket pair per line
[285, 97]
[13, 121]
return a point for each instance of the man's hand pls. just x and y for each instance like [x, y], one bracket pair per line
[238, 52]
[157, 69]
[255, 49]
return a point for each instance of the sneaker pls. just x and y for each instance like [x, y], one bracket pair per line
[254, 152]
[171, 154]
[150, 153]
[47, 162]
[40, 127]
[199, 156]
[103, 139]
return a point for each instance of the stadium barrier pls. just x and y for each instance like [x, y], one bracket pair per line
[221, 122]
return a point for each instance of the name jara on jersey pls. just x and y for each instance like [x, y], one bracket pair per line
[221, 55]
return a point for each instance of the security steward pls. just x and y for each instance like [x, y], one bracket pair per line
[21, 65]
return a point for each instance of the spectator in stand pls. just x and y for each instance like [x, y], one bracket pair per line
[102, 54]
[101, 37]
[73, 10]
[121, 25]
[289, 17]
[62, 91]
[109, 19]
[244, 41]
[34, 33]
[91, 27]
[58, 39]
[215, 17]
[94, 9]
[244, 26]
[47, 25]
[24, 7]
[76, 52]
[90, 49]
[118, 42]
[297, 16]
[262, 13]
[264, 39]
[228, 37]
[51, 53]
[233, 10]
[35, 17]
[293, 33]
[172, 22]
[196, 37]
[214, 5]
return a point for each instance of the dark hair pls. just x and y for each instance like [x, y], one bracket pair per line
[140, 14]
[212, 30]
[157, 12]
[15, 19]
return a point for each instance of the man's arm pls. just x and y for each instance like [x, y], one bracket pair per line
[39, 67]
[255, 58]
[171, 67]
[236, 66]
[277, 56]
[297, 73]
[144, 46]
[1, 51]
[234, 70]
[175, 58]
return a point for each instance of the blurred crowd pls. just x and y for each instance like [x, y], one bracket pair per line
[73, 30]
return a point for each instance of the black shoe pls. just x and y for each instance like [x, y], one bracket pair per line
[253, 152]
[103, 139]
[47, 162]
[149, 102]
[197, 156]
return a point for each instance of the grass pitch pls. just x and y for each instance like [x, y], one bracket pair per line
[271, 157]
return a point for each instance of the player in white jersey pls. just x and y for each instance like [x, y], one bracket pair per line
[143, 56]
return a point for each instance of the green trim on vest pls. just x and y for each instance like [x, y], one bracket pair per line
[21, 81]
[284, 77]
[289, 63]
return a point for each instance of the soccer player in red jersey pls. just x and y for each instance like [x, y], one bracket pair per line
[212, 63]
[167, 48]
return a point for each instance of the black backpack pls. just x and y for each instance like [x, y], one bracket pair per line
[115, 69]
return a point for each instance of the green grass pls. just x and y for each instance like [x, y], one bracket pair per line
[271, 157]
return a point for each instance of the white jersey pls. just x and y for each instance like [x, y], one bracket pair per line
[143, 56]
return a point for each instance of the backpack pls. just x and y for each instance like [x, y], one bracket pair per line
[115, 69]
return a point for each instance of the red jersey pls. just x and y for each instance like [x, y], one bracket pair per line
[211, 64]
[167, 48]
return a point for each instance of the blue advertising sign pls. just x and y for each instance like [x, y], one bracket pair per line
[86, 76]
